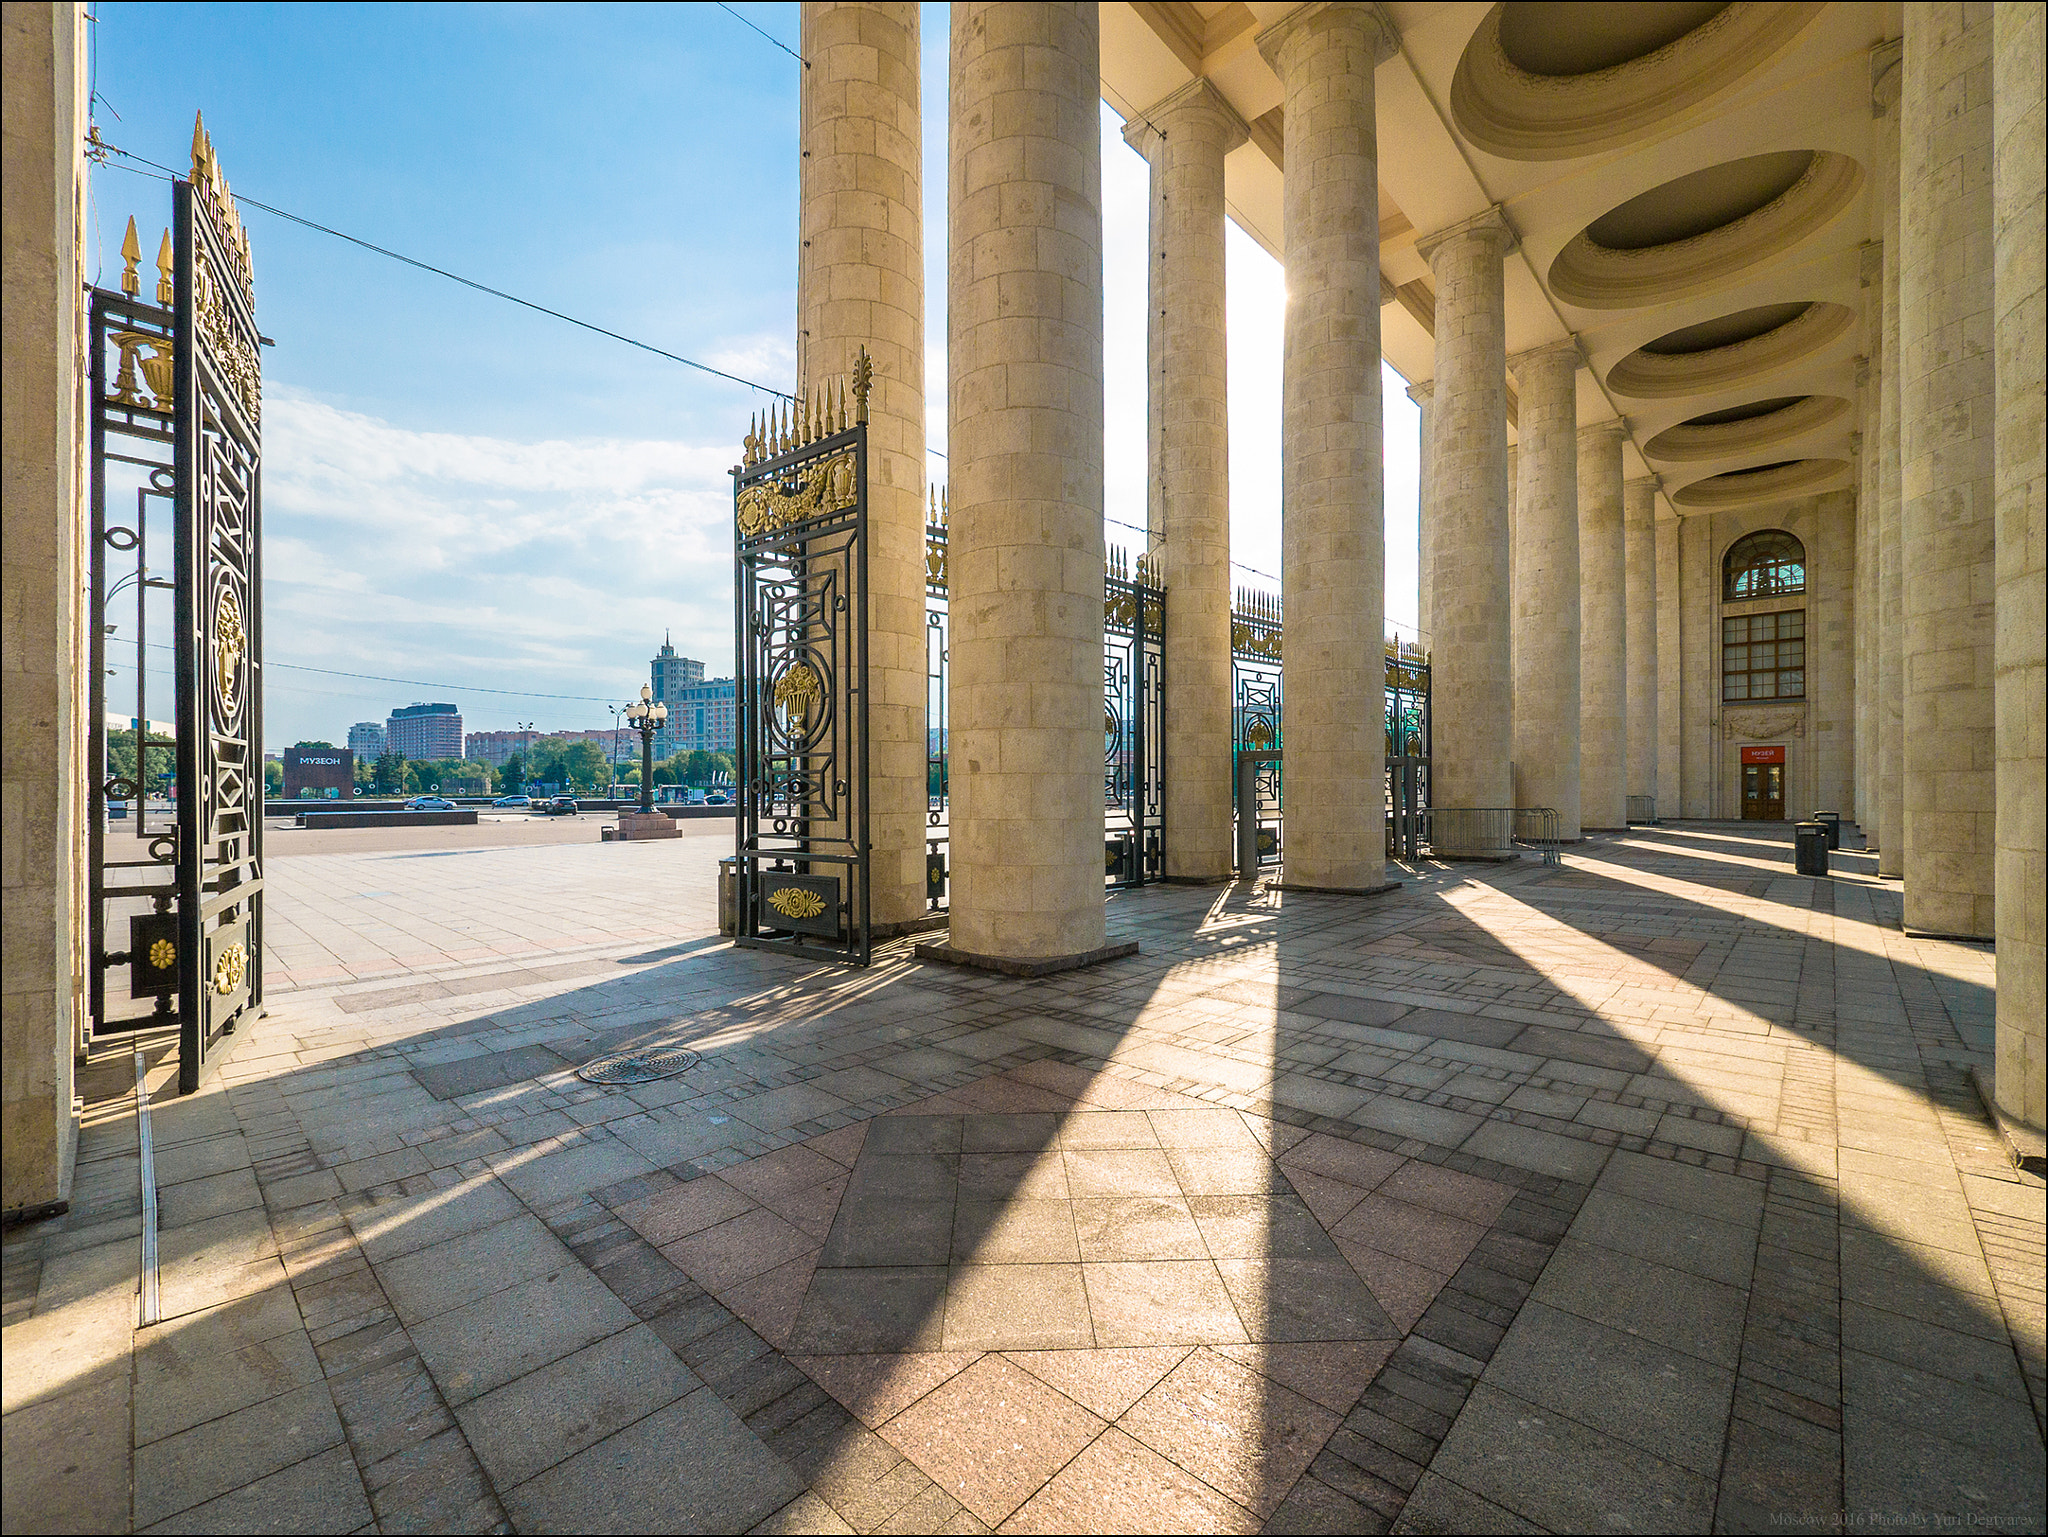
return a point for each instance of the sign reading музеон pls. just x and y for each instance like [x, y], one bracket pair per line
[319, 774]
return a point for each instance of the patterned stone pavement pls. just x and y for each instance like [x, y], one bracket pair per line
[1648, 1193]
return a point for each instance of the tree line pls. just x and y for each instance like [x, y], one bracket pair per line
[578, 767]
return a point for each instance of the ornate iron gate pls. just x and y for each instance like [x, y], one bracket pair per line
[186, 440]
[800, 500]
[1133, 722]
[1255, 688]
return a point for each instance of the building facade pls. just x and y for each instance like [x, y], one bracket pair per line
[670, 675]
[368, 740]
[494, 747]
[699, 717]
[425, 731]
[319, 774]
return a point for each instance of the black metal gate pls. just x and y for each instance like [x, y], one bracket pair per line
[1255, 690]
[1133, 722]
[801, 639]
[184, 439]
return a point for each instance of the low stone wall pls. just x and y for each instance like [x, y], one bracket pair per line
[331, 819]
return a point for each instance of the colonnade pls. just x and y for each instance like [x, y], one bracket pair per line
[1540, 562]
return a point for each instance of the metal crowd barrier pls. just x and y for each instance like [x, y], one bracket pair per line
[1470, 832]
[1642, 808]
[1536, 827]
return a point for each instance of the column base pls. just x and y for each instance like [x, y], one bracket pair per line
[635, 825]
[1024, 965]
[2025, 1145]
[922, 924]
[1334, 891]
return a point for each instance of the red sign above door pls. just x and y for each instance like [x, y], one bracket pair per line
[1763, 755]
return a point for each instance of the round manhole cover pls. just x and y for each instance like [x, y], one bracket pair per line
[638, 1066]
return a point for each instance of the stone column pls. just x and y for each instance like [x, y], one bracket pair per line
[1947, 413]
[1470, 683]
[1639, 533]
[1333, 570]
[1886, 74]
[1547, 585]
[1866, 441]
[1603, 631]
[1186, 137]
[43, 702]
[860, 283]
[1024, 336]
[1424, 396]
[1514, 462]
[1699, 667]
[2019, 238]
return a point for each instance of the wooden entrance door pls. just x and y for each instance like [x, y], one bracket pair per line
[1763, 792]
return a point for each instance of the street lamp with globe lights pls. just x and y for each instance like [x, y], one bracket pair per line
[646, 715]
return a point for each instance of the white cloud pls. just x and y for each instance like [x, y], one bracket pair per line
[483, 563]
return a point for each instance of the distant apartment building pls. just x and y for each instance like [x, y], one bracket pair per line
[425, 731]
[367, 739]
[494, 747]
[699, 712]
[700, 718]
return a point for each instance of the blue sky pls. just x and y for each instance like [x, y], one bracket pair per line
[465, 493]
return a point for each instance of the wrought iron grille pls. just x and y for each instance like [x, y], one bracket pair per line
[133, 845]
[1255, 694]
[1133, 721]
[938, 662]
[1133, 715]
[801, 713]
[218, 457]
[179, 428]
[1256, 684]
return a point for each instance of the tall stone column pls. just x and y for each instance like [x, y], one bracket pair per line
[1947, 412]
[1424, 396]
[43, 700]
[1514, 460]
[1867, 374]
[1639, 534]
[1186, 137]
[1471, 687]
[860, 283]
[1547, 585]
[1603, 630]
[1886, 75]
[2022, 662]
[1024, 336]
[1698, 589]
[1333, 570]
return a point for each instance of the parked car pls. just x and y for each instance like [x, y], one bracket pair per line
[560, 806]
[717, 798]
[429, 803]
[513, 800]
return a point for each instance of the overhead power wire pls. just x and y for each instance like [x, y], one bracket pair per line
[736, 16]
[371, 677]
[101, 148]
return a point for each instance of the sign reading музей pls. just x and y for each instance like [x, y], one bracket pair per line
[319, 774]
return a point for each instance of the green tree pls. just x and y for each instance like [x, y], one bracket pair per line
[314, 746]
[512, 775]
[583, 766]
[544, 762]
[121, 755]
[390, 777]
[460, 776]
[273, 779]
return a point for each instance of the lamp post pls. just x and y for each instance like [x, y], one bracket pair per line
[646, 715]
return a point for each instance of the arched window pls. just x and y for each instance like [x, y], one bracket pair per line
[1767, 564]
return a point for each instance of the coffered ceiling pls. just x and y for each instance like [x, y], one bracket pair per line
[1691, 184]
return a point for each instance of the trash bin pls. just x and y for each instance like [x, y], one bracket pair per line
[1810, 848]
[729, 895]
[1832, 821]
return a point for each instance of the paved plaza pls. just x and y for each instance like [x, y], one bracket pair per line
[1644, 1193]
